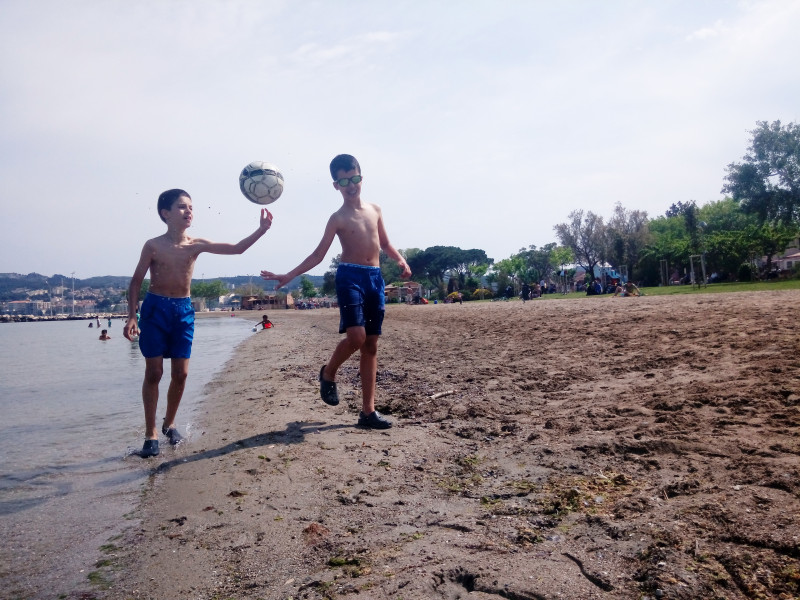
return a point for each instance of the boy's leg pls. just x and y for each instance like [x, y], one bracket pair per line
[353, 341]
[153, 370]
[369, 370]
[370, 417]
[177, 383]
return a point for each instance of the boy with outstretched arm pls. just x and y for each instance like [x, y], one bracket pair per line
[166, 322]
[359, 285]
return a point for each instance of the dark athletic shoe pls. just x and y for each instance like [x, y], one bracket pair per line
[327, 390]
[149, 449]
[172, 434]
[373, 420]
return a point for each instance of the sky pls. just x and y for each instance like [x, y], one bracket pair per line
[478, 124]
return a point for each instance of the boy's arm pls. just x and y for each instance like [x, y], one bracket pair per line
[242, 245]
[131, 328]
[390, 250]
[311, 261]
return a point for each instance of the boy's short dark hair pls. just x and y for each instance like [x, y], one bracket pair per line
[168, 198]
[344, 162]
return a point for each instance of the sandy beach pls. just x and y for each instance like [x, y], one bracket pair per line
[564, 448]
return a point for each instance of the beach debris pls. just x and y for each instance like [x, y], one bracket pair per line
[315, 533]
[438, 395]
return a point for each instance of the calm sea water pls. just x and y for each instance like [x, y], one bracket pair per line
[71, 418]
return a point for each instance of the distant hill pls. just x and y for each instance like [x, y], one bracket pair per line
[244, 280]
[9, 282]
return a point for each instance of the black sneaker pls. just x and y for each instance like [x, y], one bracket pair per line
[172, 434]
[149, 449]
[373, 420]
[327, 390]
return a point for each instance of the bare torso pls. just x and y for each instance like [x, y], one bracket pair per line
[358, 230]
[172, 265]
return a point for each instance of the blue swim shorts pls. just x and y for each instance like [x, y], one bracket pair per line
[360, 293]
[166, 327]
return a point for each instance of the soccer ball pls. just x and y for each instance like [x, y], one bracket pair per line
[261, 182]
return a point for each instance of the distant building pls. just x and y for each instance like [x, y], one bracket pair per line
[404, 293]
[33, 308]
[267, 302]
[786, 260]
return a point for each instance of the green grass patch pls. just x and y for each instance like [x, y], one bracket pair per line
[716, 288]
[104, 562]
[96, 578]
[469, 462]
[522, 485]
[675, 290]
[342, 561]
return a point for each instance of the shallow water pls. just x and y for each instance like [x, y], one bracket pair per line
[72, 417]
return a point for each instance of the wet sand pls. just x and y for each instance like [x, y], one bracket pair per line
[565, 448]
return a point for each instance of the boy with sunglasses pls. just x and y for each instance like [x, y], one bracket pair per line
[359, 285]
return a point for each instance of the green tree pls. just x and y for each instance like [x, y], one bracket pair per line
[585, 236]
[668, 243]
[507, 272]
[627, 235]
[767, 181]
[433, 265]
[307, 289]
[562, 256]
[536, 263]
[390, 270]
[479, 271]
[209, 290]
[328, 284]
[728, 240]
[329, 278]
[772, 239]
[467, 260]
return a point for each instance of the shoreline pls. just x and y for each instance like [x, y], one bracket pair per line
[123, 316]
[63, 501]
[628, 446]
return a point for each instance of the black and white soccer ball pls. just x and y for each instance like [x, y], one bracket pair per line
[261, 182]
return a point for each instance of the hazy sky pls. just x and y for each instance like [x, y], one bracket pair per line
[478, 124]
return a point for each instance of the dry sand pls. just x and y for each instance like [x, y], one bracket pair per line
[591, 448]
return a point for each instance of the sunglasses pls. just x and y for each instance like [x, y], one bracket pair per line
[345, 181]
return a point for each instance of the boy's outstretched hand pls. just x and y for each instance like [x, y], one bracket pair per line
[406, 274]
[281, 279]
[266, 219]
[131, 329]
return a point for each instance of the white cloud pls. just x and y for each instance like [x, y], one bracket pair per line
[705, 33]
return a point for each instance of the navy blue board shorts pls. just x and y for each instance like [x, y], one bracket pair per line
[360, 293]
[166, 327]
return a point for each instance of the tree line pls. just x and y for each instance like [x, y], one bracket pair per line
[759, 217]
